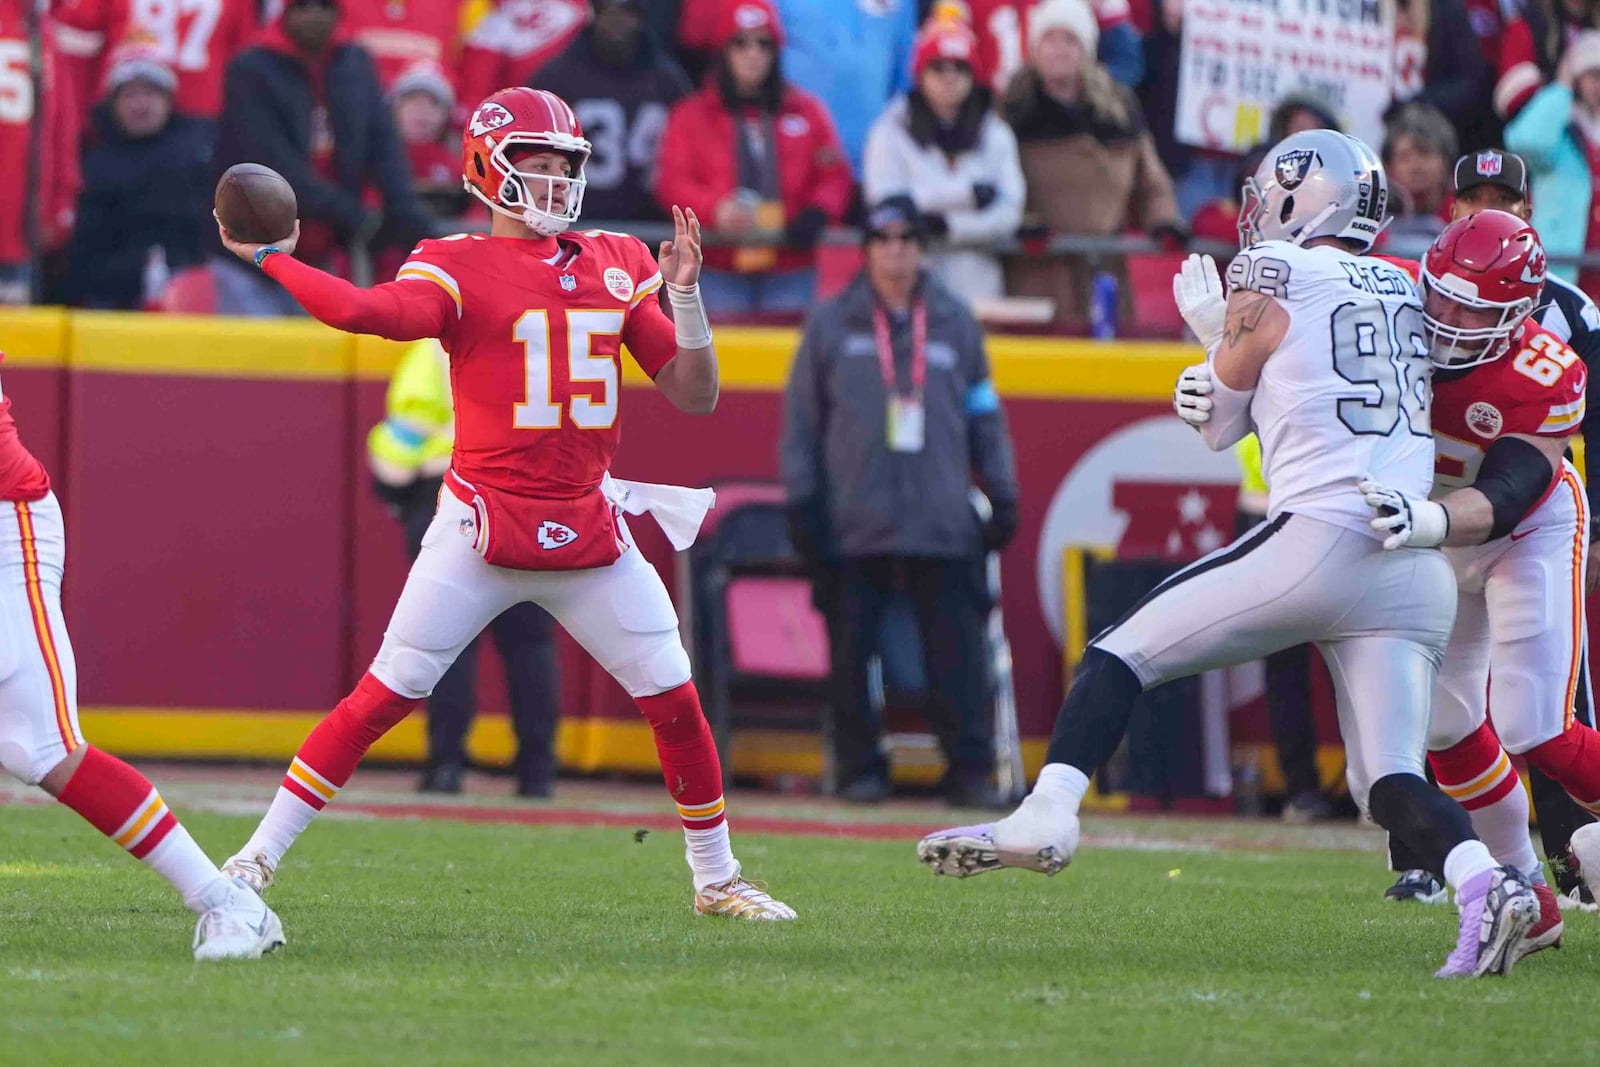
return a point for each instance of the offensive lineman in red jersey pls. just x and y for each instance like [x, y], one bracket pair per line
[40, 742]
[1511, 513]
[534, 318]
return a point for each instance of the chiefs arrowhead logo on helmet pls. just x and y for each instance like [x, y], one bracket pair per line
[490, 116]
[1534, 270]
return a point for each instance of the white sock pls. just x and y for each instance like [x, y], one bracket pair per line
[179, 860]
[1503, 826]
[1062, 783]
[710, 855]
[1465, 862]
[286, 819]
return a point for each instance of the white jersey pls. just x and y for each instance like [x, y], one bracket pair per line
[1347, 393]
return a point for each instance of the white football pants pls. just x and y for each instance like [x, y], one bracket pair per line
[1380, 619]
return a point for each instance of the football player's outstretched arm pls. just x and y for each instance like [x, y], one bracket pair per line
[689, 378]
[1255, 326]
[1515, 475]
[406, 310]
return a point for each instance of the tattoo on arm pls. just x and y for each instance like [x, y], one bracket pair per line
[1244, 315]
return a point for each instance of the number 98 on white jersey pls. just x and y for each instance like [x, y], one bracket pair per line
[1347, 393]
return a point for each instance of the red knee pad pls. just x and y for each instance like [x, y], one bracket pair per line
[1475, 771]
[1572, 759]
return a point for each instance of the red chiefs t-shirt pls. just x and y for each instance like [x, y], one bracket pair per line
[198, 37]
[399, 33]
[1536, 389]
[535, 354]
[21, 476]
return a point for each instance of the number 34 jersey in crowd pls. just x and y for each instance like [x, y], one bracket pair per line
[1535, 389]
[1346, 393]
[535, 352]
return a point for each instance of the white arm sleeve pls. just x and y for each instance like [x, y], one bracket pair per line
[1230, 420]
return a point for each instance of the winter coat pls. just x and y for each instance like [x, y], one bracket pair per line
[1558, 169]
[857, 496]
[1086, 173]
[267, 118]
[897, 162]
[138, 195]
[698, 165]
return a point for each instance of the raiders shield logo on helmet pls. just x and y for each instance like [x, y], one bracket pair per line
[1292, 167]
[1489, 164]
[490, 116]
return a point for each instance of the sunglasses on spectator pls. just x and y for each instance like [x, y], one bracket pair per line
[761, 41]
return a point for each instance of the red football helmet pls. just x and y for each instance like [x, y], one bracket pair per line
[1480, 280]
[525, 118]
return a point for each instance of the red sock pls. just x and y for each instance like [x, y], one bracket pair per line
[1572, 759]
[119, 802]
[1475, 771]
[688, 755]
[329, 757]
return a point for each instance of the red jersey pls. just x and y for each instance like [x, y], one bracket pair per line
[399, 33]
[1002, 30]
[198, 37]
[58, 163]
[21, 476]
[1535, 389]
[535, 352]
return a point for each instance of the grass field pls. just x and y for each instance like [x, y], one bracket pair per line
[438, 942]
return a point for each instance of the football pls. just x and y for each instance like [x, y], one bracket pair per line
[255, 204]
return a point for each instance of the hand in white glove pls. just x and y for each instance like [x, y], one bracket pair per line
[1192, 398]
[1406, 520]
[1197, 290]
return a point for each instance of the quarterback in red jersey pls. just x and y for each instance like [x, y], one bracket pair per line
[534, 318]
[41, 744]
[1511, 513]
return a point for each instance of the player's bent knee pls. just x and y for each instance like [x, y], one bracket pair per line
[410, 672]
[655, 667]
[27, 765]
[1528, 710]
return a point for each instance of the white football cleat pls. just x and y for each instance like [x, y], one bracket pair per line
[1583, 851]
[255, 872]
[740, 898]
[237, 926]
[1041, 835]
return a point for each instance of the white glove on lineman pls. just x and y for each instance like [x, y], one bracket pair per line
[1407, 520]
[1197, 290]
[1192, 398]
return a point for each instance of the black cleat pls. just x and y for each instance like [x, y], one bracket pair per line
[1418, 886]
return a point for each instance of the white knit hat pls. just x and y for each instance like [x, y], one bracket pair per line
[1074, 16]
[1583, 52]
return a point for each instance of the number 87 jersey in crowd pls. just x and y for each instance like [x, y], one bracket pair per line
[1347, 392]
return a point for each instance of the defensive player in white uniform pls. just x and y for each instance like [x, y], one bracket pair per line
[1508, 397]
[1323, 354]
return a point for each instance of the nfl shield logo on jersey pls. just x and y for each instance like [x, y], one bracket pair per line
[1292, 167]
[568, 282]
[1489, 164]
[554, 535]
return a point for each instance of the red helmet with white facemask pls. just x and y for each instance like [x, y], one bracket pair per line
[1484, 275]
[510, 123]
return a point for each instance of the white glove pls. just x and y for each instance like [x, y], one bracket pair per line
[1407, 520]
[1197, 290]
[1192, 398]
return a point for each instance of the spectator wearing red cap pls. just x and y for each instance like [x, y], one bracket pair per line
[942, 145]
[196, 39]
[43, 131]
[146, 185]
[760, 160]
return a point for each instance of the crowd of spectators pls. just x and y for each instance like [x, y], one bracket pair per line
[1005, 121]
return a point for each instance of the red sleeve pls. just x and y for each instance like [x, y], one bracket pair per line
[649, 335]
[63, 117]
[833, 186]
[681, 177]
[1542, 384]
[1518, 76]
[406, 310]
[83, 30]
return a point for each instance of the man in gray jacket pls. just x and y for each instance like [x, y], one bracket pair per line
[889, 414]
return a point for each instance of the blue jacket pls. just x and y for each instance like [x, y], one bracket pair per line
[1558, 168]
[853, 54]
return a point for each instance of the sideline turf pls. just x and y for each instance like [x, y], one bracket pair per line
[429, 942]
